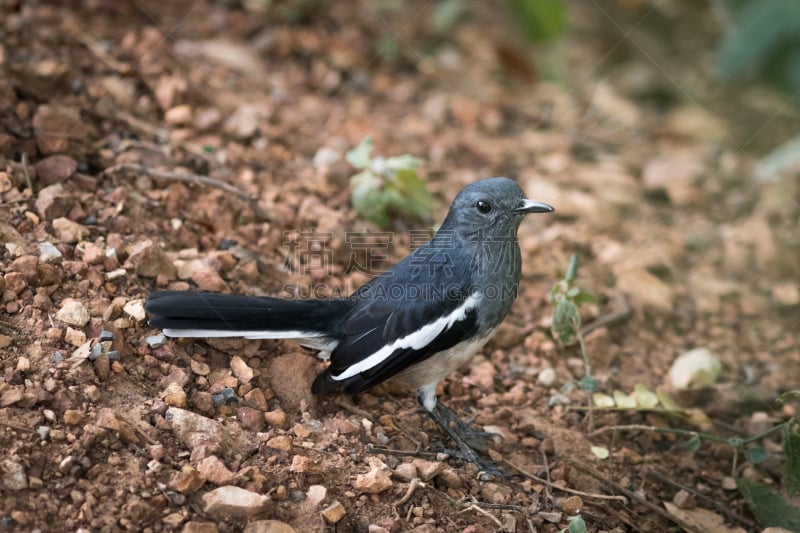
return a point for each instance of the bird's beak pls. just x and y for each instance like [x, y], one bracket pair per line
[529, 206]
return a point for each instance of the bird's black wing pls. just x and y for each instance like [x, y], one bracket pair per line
[383, 336]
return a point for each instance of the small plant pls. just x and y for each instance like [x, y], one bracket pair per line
[387, 187]
[566, 300]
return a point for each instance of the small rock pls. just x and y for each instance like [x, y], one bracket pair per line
[93, 254]
[12, 395]
[226, 503]
[450, 478]
[684, 500]
[13, 475]
[72, 417]
[251, 419]
[375, 481]
[427, 469]
[156, 341]
[150, 261]
[23, 364]
[255, 398]
[135, 309]
[73, 313]
[300, 464]
[187, 481]
[406, 472]
[77, 338]
[277, 418]
[193, 429]
[203, 401]
[302, 431]
[55, 125]
[196, 526]
[242, 123]
[68, 231]
[53, 202]
[645, 290]
[226, 395]
[334, 512]
[728, 483]
[215, 471]
[269, 526]
[55, 169]
[316, 494]
[174, 395]
[281, 442]
[201, 369]
[240, 369]
[572, 505]
[178, 115]
[48, 252]
[547, 376]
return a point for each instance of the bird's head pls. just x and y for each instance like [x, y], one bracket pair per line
[492, 208]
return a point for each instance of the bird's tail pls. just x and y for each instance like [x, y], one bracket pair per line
[206, 314]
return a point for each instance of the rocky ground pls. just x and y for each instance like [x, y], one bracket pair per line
[106, 108]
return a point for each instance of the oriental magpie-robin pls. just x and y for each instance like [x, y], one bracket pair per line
[415, 323]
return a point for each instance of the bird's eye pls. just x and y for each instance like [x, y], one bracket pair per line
[483, 206]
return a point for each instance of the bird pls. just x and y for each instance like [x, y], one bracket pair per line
[414, 323]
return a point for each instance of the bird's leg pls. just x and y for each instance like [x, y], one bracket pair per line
[459, 431]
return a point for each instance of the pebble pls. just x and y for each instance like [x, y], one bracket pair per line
[201, 369]
[187, 481]
[334, 512]
[13, 475]
[300, 464]
[195, 526]
[375, 481]
[68, 231]
[23, 364]
[316, 494]
[75, 337]
[135, 309]
[277, 418]
[72, 417]
[405, 472]
[193, 429]
[48, 252]
[572, 505]
[251, 419]
[269, 526]
[106, 336]
[547, 376]
[428, 469]
[695, 369]
[240, 369]
[43, 431]
[156, 341]
[684, 500]
[174, 395]
[281, 442]
[229, 502]
[255, 398]
[226, 395]
[214, 470]
[73, 313]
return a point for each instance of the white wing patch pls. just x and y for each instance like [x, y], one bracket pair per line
[255, 334]
[415, 340]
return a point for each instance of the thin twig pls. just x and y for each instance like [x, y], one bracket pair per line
[475, 507]
[198, 179]
[400, 453]
[547, 474]
[415, 484]
[586, 469]
[26, 172]
[724, 509]
[622, 313]
[347, 406]
[536, 478]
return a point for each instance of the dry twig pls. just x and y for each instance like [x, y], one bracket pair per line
[536, 478]
[198, 179]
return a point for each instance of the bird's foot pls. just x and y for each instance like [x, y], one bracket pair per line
[468, 438]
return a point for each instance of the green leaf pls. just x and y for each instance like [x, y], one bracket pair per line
[369, 199]
[645, 398]
[769, 507]
[584, 297]
[359, 156]
[600, 451]
[693, 444]
[566, 321]
[791, 450]
[576, 525]
[540, 20]
[759, 30]
[446, 14]
[602, 401]
[624, 401]
[667, 402]
[402, 162]
[588, 384]
[572, 269]
[568, 386]
[756, 454]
